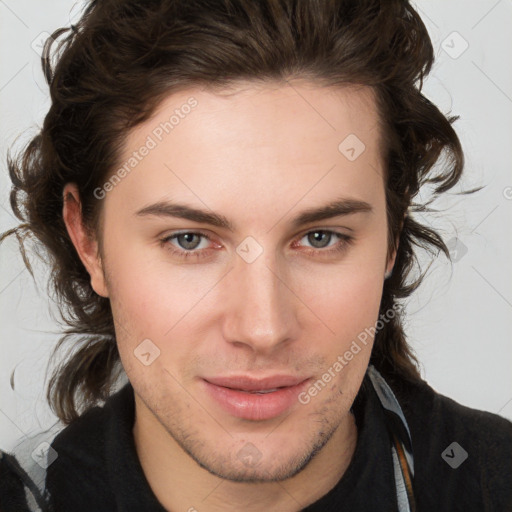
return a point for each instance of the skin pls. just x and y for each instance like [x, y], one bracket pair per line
[258, 154]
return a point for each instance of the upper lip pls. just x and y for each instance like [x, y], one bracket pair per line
[245, 383]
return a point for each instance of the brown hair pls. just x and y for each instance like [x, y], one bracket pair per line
[125, 56]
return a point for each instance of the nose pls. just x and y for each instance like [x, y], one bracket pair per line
[261, 311]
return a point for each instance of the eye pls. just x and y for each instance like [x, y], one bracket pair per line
[319, 239]
[324, 242]
[187, 244]
[188, 241]
[193, 244]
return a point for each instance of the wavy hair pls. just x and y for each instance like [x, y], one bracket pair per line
[110, 72]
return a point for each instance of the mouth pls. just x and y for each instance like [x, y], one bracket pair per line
[255, 399]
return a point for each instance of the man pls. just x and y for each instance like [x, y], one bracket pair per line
[225, 192]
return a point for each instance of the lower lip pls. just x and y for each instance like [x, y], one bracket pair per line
[254, 406]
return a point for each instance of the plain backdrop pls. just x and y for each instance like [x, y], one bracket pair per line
[459, 322]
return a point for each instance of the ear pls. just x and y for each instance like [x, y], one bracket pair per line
[390, 264]
[85, 245]
[391, 260]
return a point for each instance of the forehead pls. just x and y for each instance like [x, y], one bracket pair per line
[270, 113]
[250, 138]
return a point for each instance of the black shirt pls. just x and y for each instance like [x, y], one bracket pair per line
[97, 468]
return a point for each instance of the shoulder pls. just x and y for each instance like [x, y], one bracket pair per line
[429, 409]
[12, 484]
[79, 476]
[84, 433]
[462, 455]
[79, 469]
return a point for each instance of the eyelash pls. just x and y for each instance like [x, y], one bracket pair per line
[345, 241]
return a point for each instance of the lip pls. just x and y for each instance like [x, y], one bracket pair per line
[234, 395]
[245, 383]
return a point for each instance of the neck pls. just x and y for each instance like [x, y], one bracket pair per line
[179, 483]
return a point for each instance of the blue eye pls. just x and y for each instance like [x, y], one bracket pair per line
[188, 241]
[319, 239]
[193, 244]
[325, 243]
[188, 244]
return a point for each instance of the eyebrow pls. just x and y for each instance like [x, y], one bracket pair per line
[339, 207]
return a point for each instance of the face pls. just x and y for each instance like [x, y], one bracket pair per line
[244, 250]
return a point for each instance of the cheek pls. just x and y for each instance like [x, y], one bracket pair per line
[148, 290]
[346, 297]
[347, 304]
[159, 301]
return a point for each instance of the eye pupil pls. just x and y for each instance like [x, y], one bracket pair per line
[319, 239]
[186, 240]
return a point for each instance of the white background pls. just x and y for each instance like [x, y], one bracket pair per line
[459, 321]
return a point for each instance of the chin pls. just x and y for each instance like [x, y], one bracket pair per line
[259, 461]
